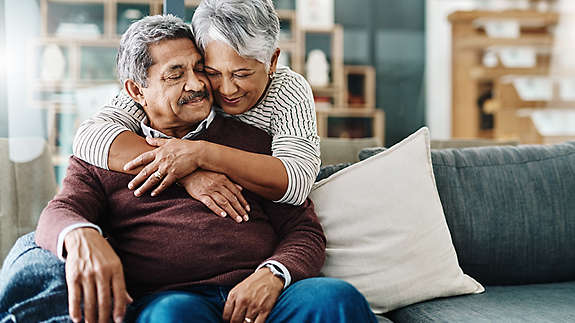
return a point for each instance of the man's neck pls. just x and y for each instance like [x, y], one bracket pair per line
[185, 131]
[176, 131]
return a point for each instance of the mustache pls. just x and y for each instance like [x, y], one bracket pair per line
[193, 95]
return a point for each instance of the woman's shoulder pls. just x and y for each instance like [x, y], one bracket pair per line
[292, 84]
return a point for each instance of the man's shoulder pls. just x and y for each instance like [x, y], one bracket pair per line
[231, 132]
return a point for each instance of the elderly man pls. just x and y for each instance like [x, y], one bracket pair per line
[169, 255]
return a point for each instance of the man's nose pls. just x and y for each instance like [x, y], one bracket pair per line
[193, 83]
[227, 87]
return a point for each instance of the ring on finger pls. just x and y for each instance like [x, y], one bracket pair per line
[157, 174]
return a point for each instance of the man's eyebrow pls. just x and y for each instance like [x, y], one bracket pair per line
[175, 67]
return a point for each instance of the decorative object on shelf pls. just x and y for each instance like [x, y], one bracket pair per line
[315, 14]
[77, 20]
[518, 56]
[317, 68]
[53, 63]
[128, 13]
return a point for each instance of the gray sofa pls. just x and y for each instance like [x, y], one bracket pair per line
[511, 214]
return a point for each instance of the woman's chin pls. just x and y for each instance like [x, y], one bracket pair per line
[233, 109]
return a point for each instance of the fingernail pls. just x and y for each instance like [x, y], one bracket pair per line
[239, 219]
[153, 194]
[118, 320]
[248, 208]
[223, 214]
[130, 185]
[137, 193]
[246, 217]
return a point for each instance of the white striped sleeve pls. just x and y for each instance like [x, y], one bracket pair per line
[302, 162]
[296, 143]
[95, 135]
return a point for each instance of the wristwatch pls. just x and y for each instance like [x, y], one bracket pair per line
[276, 271]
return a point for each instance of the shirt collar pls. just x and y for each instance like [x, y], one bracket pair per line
[151, 132]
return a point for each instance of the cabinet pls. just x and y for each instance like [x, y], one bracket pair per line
[473, 113]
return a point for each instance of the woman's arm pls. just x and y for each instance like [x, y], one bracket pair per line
[175, 158]
[96, 137]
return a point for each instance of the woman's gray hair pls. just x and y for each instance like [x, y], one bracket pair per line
[251, 27]
[134, 57]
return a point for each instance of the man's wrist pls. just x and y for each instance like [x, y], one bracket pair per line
[278, 278]
[75, 237]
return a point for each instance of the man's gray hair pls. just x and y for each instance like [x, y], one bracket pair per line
[251, 27]
[134, 57]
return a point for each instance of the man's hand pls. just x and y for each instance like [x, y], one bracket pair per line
[95, 276]
[253, 298]
[218, 193]
[163, 166]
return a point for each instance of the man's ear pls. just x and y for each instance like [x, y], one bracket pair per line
[274, 61]
[135, 92]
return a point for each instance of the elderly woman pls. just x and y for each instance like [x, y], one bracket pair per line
[239, 41]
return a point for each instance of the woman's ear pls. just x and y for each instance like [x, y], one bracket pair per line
[135, 92]
[274, 61]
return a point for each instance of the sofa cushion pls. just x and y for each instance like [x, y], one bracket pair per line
[527, 303]
[510, 210]
[386, 233]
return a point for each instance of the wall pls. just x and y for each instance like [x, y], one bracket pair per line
[3, 64]
[389, 35]
[438, 64]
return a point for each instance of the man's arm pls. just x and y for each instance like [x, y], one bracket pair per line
[94, 273]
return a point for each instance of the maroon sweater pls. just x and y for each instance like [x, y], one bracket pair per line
[172, 240]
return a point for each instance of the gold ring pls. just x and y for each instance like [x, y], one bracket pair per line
[158, 175]
[247, 319]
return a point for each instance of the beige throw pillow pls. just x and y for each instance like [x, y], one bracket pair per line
[386, 231]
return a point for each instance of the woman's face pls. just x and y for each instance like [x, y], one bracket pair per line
[237, 82]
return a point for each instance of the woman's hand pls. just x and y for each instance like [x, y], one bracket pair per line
[218, 193]
[163, 166]
[252, 300]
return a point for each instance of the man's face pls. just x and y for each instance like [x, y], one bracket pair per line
[178, 93]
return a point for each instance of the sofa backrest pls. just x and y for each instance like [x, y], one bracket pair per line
[28, 183]
[510, 210]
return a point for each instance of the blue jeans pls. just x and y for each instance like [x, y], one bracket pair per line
[32, 285]
[312, 300]
[33, 289]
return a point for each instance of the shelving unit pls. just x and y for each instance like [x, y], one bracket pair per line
[469, 76]
[85, 35]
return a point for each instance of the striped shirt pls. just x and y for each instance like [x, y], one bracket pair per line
[286, 112]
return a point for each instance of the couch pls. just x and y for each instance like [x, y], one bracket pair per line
[511, 215]
[28, 183]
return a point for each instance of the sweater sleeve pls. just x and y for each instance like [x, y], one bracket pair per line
[95, 135]
[81, 199]
[295, 140]
[302, 243]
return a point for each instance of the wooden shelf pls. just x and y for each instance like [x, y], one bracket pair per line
[469, 43]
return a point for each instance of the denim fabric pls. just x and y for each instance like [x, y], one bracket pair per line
[33, 289]
[510, 210]
[313, 300]
[33, 285]
[537, 303]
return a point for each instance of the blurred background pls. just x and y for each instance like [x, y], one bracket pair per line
[488, 71]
